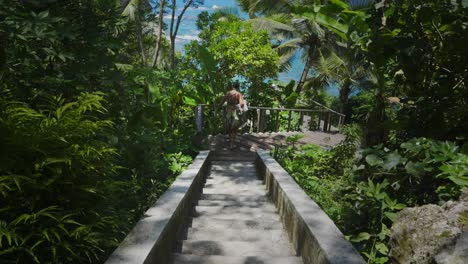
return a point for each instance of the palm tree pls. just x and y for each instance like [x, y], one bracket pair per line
[342, 69]
[299, 25]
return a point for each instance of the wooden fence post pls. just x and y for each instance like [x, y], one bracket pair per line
[258, 120]
[319, 120]
[277, 121]
[301, 121]
[325, 121]
[289, 121]
[199, 119]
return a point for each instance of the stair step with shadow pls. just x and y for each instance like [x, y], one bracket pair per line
[233, 180]
[246, 235]
[235, 213]
[194, 259]
[241, 186]
[235, 197]
[236, 248]
[217, 223]
[244, 191]
[225, 203]
[257, 185]
[231, 175]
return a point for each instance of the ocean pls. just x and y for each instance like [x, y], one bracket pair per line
[188, 31]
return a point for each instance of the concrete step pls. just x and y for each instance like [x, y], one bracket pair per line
[234, 203]
[235, 197]
[235, 187]
[229, 155]
[235, 213]
[246, 235]
[233, 206]
[236, 248]
[246, 166]
[194, 259]
[231, 164]
[216, 223]
[233, 170]
[233, 191]
[233, 180]
[232, 175]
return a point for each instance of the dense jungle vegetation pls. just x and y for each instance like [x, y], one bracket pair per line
[97, 110]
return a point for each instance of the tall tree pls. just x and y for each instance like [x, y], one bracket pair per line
[157, 48]
[307, 23]
[346, 72]
[175, 23]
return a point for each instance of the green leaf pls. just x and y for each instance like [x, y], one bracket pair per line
[382, 248]
[190, 101]
[332, 24]
[392, 160]
[462, 181]
[415, 168]
[392, 216]
[384, 232]
[361, 237]
[43, 14]
[374, 160]
[339, 3]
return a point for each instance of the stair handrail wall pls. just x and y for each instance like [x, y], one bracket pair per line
[267, 119]
[155, 236]
[313, 234]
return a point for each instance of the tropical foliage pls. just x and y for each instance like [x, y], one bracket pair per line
[90, 136]
[363, 193]
[97, 106]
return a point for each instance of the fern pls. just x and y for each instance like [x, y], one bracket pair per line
[54, 164]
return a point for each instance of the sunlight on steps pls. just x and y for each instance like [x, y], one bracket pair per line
[234, 222]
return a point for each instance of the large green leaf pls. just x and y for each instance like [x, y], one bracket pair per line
[374, 160]
[392, 160]
[415, 168]
[331, 22]
[339, 3]
[190, 101]
[207, 59]
[361, 237]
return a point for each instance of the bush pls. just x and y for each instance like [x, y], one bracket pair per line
[362, 191]
[56, 164]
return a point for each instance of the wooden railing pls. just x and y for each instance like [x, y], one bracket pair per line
[270, 119]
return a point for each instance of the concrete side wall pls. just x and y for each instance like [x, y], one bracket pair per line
[154, 237]
[313, 234]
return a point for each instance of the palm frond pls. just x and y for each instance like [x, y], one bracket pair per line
[227, 14]
[130, 9]
[275, 29]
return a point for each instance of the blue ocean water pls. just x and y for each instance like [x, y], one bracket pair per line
[188, 31]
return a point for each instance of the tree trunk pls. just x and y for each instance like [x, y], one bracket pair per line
[376, 132]
[139, 34]
[171, 33]
[344, 95]
[159, 37]
[172, 56]
[304, 75]
[176, 29]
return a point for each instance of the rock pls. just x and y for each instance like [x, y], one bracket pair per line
[431, 234]
[458, 254]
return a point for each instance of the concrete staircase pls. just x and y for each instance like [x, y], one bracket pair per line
[234, 222]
